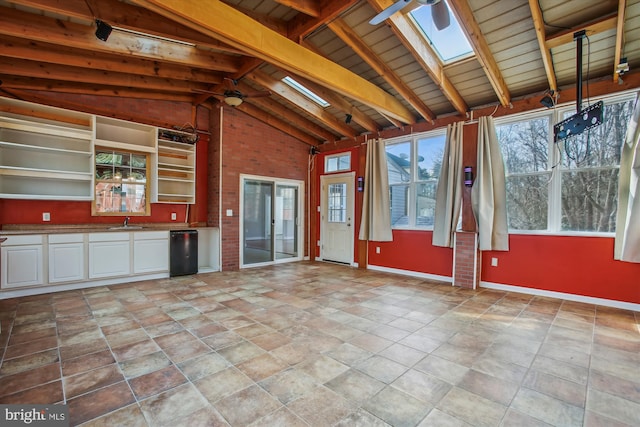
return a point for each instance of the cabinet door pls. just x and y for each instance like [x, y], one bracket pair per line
[150, 256]
[66, 262]
[108, 259]
[22, 266]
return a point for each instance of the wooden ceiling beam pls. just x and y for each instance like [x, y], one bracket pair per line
[471, 29]
[302, 25]
[290, 116]
[269, 119]
[29, 26]
[622, 6]
[411, 38]
[11, 82]
[300, 101]
[605, 23]
[308, 7]
[25, 68]
[53, 54]
[232, 27]
[351, 39]
[545, 51]
[126, 16]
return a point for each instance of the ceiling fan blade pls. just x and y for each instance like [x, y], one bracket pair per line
[440, 14]
[389, 11]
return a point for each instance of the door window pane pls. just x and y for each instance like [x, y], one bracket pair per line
[337, 203]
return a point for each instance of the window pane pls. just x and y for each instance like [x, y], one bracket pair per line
[332, 164]
[399, 195]
[399, 162]
[589, 200]
[527, 199]
[344, 162]
[337, 203]
[426, 198]
[430, 152]
[601, 145]
[525, 145]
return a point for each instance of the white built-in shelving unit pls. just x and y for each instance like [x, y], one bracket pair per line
[176, 168]
[45, 153]
[48, 153]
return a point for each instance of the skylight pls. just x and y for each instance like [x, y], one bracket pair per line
[449, 43]
[306, 92]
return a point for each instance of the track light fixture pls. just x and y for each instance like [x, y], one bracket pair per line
[103, 30]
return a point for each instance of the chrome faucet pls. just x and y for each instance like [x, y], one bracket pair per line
[126, 221]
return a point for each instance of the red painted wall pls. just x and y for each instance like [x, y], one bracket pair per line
[574, 265]
[254, 148]
[412, 250]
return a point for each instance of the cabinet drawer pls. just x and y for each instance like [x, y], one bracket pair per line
[108, 237]
[32, 239]
[150, 235]
[66, 238]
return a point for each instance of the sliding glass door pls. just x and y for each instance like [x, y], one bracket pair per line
[270, 221]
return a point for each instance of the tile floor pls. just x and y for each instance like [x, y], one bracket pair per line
[313, 344]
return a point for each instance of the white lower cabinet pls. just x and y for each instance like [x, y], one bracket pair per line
[150, 251]
[109, 255]
[66, 258]
[22, 263]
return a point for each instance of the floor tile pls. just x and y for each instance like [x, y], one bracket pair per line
[130, 416]
[202, 366]
[144, 364]
[614, 407]
[91, 380]
[321, 407]
[41, 394]
[156, 382]
[27, 379]
[397, 408]
[355, 386]
[174, 404]
[28, 362]
[223, 383]
[547, 408]
[255, 404]
[424, 387]
[99, 402]
[289, 385]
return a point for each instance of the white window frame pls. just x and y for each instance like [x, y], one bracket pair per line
[337, 157]
[413, 182]
[554, 207]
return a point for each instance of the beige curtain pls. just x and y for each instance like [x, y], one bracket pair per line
[449, 192]
[375, 223]
[488, 196]
[627, 243]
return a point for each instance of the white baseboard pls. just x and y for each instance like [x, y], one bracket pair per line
[417, 274]
[32, 290]
[561, 295]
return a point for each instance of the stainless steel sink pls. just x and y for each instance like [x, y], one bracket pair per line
[126, 227]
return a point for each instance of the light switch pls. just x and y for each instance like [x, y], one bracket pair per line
[46, 216]
[173, 216]
[494, 262]
[229, 212]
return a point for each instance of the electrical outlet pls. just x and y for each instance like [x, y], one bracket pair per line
[173, 216]
[377, 249]
[46, 216]
[494, 262]
[229, 212]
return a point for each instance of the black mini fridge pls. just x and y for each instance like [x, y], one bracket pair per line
[183, 258]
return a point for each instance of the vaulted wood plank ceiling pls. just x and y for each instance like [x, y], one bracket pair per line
[373, 77]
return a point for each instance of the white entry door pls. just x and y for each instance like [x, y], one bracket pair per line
[337, 220]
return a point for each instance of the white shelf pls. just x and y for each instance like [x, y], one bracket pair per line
[45, 152]
[124, 146]
[175, 167]
[120, 134]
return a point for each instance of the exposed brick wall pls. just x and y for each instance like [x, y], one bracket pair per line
[466, 267]
[255, 148]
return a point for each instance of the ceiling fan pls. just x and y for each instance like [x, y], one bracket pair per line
[232, 95]
[439, 12]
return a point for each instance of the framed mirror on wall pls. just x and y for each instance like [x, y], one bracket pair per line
[121, 183]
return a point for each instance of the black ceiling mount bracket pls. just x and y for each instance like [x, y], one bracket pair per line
[585, 119]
